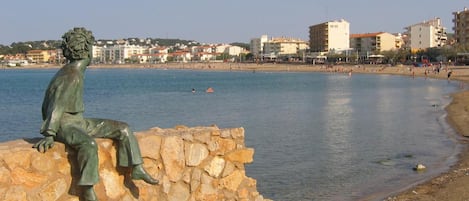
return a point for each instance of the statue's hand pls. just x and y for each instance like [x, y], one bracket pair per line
[44, 144]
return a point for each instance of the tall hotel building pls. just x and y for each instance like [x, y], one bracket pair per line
[330, 36]
[425, 35]
[461, 27]
[257, 45]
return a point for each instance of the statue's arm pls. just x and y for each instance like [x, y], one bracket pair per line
[53, 113]
[51, 119]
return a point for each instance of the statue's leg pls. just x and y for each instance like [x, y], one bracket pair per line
[87, 152]
[128, 151]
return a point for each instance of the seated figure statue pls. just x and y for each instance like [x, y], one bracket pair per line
[63, 121]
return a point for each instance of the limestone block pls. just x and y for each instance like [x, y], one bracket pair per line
[186, 176]
[241, 155]
[178, 192]
[4, 175]
[41, 163]
[237, 133]
[225, 133]
[195, 153]
[232, 181]
[17, 159]
[20, 176]
[172, 152]
[15, 193]
[112, 183]
[223, 146]
[195, 179]
[166, 184]
[215, 167]
[150, 146]
[203, 137]
[229, 168]
[54, 190]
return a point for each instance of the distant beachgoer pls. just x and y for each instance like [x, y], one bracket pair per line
[209, 90]
[193, 90]
[449, 74]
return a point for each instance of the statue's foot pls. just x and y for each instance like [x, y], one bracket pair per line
[89, 194]
[138, 173]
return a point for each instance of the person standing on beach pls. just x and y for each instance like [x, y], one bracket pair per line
[63, 121]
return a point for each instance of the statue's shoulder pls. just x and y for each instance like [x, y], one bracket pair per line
[67, 74]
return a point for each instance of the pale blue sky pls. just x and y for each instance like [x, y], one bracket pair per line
[211, 21]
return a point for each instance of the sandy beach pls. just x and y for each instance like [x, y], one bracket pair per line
[450, 186]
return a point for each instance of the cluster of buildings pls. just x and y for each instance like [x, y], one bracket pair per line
[121, 51]
[332, 37]
[125, 53]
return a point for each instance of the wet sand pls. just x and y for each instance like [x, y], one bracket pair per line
[450, 186]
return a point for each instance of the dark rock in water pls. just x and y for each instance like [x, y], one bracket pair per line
[387, 162]
[408, 156]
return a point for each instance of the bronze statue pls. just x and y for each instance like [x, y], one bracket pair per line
[63, 121]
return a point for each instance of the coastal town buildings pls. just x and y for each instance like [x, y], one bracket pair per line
[283, 46]
[461, 27]
[257, 46]
[278, 47]
[331, 39]
[42, 56]
[425, 35]
[366, 44]
[118, 53]
[332, 36]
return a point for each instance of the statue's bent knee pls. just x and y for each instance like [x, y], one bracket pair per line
[125, 133]
[90, 146]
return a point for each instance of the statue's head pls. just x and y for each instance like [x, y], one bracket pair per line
[77, 44]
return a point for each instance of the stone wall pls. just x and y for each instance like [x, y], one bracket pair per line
[199, 163]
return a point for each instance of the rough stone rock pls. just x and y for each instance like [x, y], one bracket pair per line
[195, 153]
[172, 152]
[179, 191]
[215, 167]
[200, 163]
[241, 155]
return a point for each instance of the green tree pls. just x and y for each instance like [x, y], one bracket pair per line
[243, 45]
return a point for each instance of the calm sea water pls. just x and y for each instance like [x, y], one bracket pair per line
[317, 136]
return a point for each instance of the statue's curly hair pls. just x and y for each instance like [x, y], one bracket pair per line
[77, 44]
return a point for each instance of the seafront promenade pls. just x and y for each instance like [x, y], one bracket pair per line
[450, 186]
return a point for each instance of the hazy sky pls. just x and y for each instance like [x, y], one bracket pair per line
[211, 21]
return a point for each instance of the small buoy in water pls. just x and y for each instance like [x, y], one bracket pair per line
[209, 90]
[420, 167]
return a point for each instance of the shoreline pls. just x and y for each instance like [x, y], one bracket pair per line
[451, 185]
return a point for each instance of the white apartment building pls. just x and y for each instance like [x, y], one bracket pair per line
[97, 53]
[119, 53]
[425, 35]
[257, 45]
[330, 36]
[159, 50]
[234, 50]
